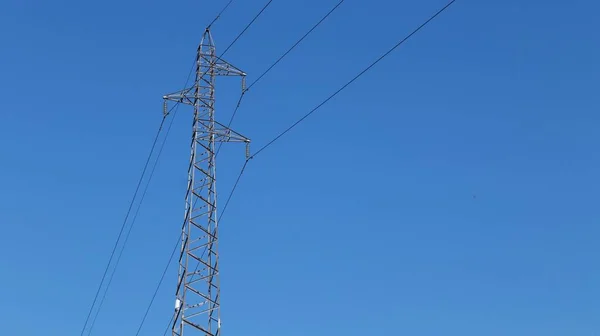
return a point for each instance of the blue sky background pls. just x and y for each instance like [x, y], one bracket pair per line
[453, 190]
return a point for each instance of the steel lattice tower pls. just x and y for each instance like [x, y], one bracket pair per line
[197, 307]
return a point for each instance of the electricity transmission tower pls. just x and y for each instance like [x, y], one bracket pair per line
[197, 307]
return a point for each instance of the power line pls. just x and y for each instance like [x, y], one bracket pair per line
[110, 279]
[354, 79]
[168, 326]
[162, 277]
[112, 254]
[177, 242]
[295, 44]
[237, 107]
[237, 181]
[247, 26]
[175, 107]
[219, 15]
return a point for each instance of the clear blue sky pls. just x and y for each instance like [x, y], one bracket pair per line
[453, 190]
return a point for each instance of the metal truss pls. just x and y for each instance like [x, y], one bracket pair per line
[197, 303]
